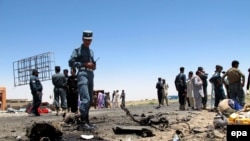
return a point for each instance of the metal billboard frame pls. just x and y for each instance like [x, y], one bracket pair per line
[22, 69]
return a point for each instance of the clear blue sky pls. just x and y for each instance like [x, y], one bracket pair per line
[137, 41]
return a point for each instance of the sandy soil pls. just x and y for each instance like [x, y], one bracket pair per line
[14, 124]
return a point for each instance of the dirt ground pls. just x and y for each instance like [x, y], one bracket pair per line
[14, 125]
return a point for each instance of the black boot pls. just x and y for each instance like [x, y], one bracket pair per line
[91, 125]
[84, 125]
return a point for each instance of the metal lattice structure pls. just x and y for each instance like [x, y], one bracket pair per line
[22, 69]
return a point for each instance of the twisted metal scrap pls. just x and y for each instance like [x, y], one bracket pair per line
[152, 120]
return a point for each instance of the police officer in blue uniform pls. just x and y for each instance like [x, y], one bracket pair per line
[59, 82]
[36, 91]
[82, 58]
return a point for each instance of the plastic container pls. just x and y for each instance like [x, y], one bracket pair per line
[242, 121]
[232, 118]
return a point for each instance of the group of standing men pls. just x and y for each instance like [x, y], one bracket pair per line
[115, 98]
[162, 92]
[194, 89]
[65, 90]
[102, 99]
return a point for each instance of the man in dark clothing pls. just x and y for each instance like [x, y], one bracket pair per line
[36, 91]
[236, 80]
[159, 87]
[66, 87]
[248, 81]
[73, 91]
[123, 98]
[218, 86]
[204, 77]
[181, 87]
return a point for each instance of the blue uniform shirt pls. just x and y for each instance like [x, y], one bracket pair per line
[35, 84]
[59, 80]
[80, 56]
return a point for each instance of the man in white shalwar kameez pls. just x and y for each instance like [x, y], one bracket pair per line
[198, 90]
[190, 93]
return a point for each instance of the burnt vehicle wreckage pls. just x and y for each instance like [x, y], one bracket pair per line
[157, 121]
[140, 124]
[144, 126]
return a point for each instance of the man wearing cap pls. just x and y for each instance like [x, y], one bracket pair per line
[236, 81]
[217, 86]
[59, 82]
[203, 77]
[36, 91]
[82, 58]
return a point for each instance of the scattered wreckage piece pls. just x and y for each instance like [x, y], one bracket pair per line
[44, 131]
[143, 131]
[71, 118]
[156, 121]
[220, 120]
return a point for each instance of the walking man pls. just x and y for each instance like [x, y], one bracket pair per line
[83, 59]
[59, 82]
[36, 91]
[181, 87]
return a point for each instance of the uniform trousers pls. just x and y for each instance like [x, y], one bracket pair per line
[60, 93]
[219, 95]
[85, 80]
[37, 100]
